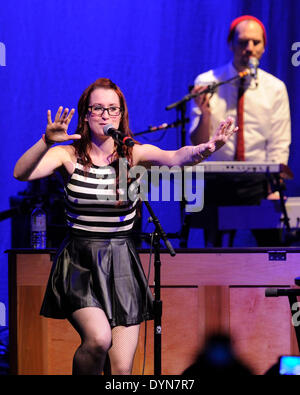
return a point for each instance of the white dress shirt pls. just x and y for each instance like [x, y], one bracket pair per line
[267, 126]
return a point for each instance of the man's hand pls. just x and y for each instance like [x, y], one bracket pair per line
[202, 100]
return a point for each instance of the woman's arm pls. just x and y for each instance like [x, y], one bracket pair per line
[148, 155]
[40, 160]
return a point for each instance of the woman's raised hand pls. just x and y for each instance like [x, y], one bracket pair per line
[225, 130]
[56, 131]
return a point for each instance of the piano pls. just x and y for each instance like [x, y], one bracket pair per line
[270, 213]
[245, 167]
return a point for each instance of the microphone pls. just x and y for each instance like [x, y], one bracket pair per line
[253, 65]
[118, 136]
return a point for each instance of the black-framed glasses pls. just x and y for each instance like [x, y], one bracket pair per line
[97, 109]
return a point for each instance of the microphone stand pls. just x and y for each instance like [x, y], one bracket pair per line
[180, 105]
[293, 302]
[210, 89]
[164, 126]
[158, 234]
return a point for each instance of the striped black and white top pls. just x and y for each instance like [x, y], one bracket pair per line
[92, 205]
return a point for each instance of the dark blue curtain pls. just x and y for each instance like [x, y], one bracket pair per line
[153, 49]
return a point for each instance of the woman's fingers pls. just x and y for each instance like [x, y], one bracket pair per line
[230, 125]
[49, 117]
[63, 116]
[226, 128]
[69, 117]
[57, 116]
[227, 124]
[73, 136]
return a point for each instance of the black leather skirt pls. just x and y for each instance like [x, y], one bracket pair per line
[103, 273]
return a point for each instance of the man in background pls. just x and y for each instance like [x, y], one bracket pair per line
[259, 103]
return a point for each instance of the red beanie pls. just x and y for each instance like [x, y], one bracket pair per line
[242, 18]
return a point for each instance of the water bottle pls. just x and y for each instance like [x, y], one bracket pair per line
[38, 228]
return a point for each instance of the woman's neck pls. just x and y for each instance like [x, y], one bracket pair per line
[101, 150]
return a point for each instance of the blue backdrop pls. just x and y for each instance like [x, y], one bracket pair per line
[153, 49]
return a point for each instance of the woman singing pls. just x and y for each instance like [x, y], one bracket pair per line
[97, 281]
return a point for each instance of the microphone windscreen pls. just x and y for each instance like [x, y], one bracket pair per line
[254, 62]
[106, 129]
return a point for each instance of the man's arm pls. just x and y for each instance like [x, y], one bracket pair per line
[200, 134]
[279, 138]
